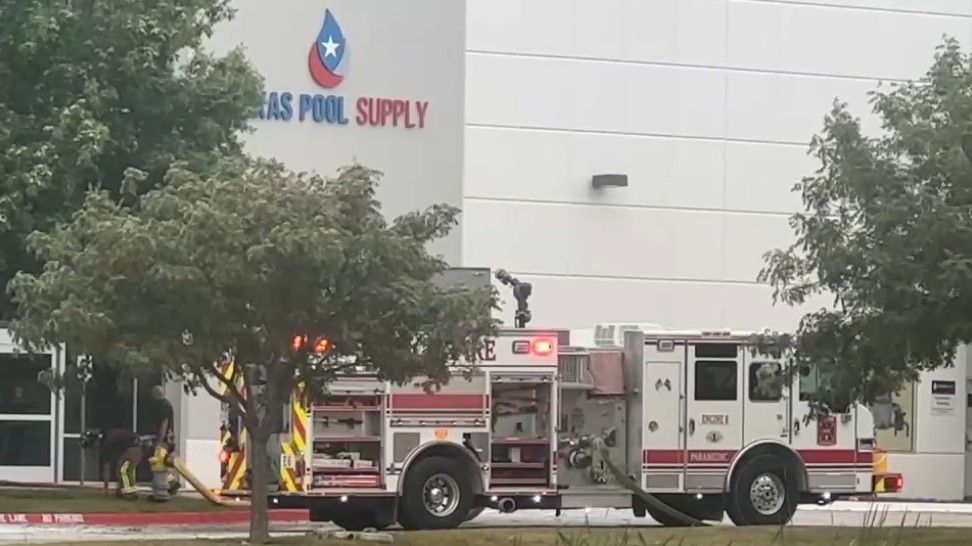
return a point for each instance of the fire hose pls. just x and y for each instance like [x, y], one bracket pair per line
[650, 500]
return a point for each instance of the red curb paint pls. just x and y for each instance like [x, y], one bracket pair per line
[228, 517]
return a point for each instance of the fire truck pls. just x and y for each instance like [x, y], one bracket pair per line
[694, 418]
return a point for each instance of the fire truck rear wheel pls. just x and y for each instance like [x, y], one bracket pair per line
[437, 495]
[762, 492]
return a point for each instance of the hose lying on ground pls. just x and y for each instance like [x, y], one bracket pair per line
[649, 499]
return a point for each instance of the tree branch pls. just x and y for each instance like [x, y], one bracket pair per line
[230, 386]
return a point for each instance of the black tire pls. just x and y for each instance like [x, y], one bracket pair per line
[413, 513]
[772, 473]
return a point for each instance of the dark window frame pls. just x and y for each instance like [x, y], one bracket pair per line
[717, 395]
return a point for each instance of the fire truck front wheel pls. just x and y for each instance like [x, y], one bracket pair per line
[437, 495]
[762, 492]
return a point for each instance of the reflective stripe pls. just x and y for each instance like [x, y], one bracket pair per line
[127, 476]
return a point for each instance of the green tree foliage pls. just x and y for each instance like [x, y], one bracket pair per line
[90, 89]
[887, 233]
[237, 262]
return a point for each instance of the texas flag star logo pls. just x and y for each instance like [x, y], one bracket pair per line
[327, 53]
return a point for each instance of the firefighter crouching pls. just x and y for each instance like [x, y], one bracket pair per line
[162, 454]
[119, 450]
[123, 450]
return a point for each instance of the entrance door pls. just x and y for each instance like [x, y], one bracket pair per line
[765, 401]
[968, 439]
[27, 425]
[713, 414]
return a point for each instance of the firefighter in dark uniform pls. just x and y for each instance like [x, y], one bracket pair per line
[118, 450]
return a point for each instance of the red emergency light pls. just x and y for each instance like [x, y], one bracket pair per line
[894, 483]
[321, 345]
[543, 347]
[537, 347]
[224, 456]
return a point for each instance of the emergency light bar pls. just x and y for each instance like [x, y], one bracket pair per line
[538, 347]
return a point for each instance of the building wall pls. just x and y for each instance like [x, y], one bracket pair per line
[933, 469]
[707, 105]
[394, 50]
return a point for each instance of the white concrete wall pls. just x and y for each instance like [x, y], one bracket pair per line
[394, 50]
[706, 105]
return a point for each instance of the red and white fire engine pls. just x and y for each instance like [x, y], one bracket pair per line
[692, 416]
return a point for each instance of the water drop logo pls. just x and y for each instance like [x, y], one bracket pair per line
[327, 53]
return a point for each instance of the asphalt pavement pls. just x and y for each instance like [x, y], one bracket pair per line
[846, 514]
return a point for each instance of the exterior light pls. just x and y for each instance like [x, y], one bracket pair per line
[609, 181]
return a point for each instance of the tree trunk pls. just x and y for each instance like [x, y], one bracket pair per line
[259, 475]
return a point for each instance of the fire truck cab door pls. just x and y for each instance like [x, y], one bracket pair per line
[713, 426]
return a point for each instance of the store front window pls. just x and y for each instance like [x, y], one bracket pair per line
[894, 420]
[28, 424]
[20, 391]
[25, 443]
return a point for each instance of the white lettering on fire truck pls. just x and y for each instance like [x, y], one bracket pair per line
[710, 456]
[488, 351]
[715, 419]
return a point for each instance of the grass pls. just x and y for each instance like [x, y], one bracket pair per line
[73, 501]
[710, 536]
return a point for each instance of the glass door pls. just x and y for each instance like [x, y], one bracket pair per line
[28, 428]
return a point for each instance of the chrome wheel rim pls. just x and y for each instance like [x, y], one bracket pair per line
[440, 495]
[767, 494]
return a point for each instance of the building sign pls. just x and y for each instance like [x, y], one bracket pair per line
[943, 398]
[327, 65]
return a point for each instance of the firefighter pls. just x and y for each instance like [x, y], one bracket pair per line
[163, 427]
[118, 449]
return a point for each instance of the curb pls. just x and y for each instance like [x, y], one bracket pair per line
[228, 517]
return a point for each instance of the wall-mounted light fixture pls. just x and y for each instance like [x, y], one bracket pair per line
[609, 181]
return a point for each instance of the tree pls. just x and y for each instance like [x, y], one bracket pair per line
[887, 232]
[237, 263]
[90, 89]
